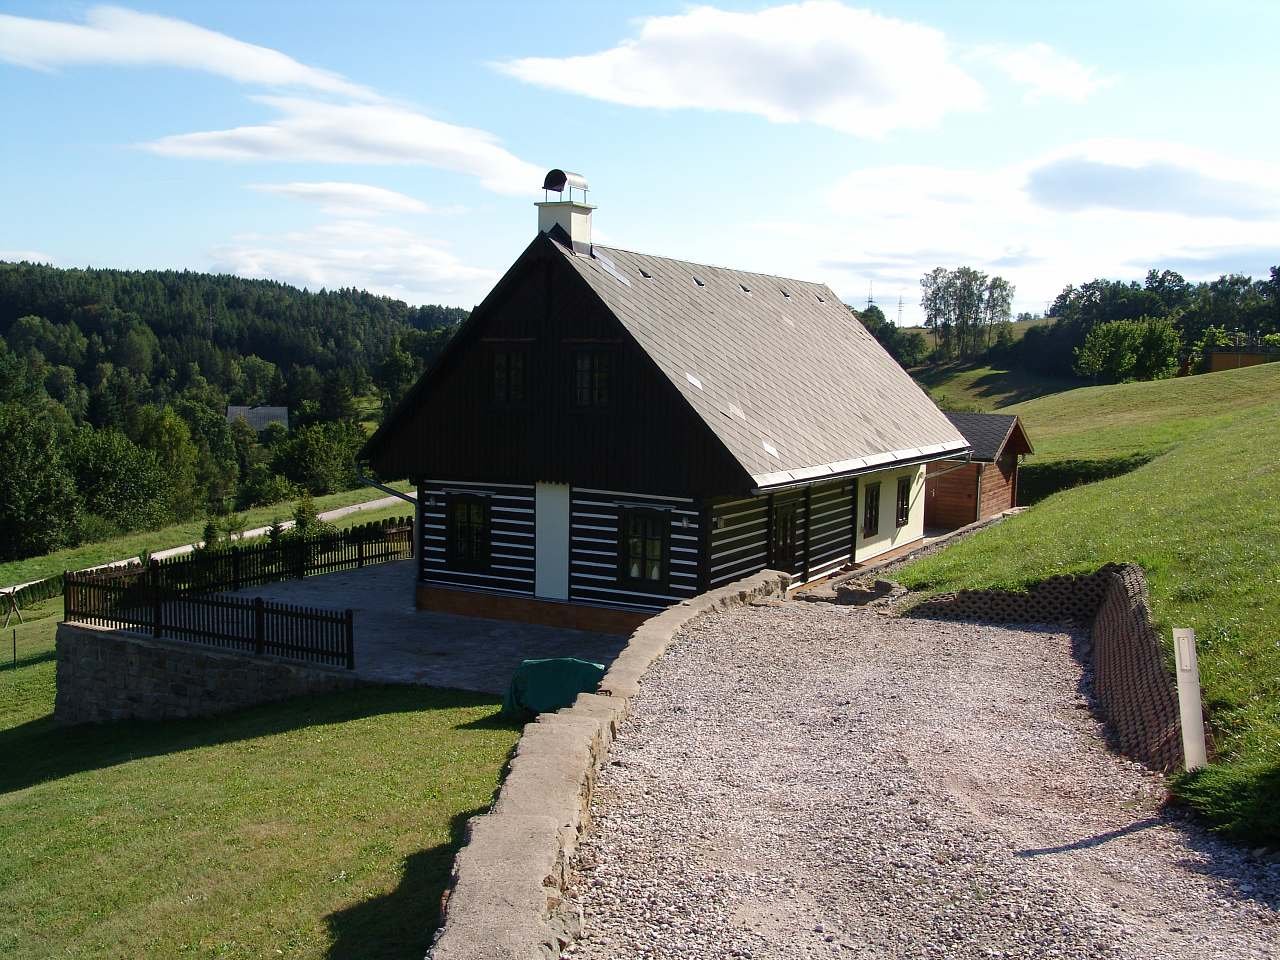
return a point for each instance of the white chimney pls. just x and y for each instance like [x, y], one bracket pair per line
[571, 216]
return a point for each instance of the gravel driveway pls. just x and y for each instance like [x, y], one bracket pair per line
[808, 780]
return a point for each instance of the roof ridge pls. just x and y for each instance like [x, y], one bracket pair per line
[712, 266]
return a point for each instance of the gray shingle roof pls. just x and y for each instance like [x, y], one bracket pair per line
[779, 369]
[986, 432]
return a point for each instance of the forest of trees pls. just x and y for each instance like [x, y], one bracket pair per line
[1103, 330]
[1115, 330]
[114, 387]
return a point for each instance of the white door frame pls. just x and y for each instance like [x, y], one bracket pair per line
[551, 540]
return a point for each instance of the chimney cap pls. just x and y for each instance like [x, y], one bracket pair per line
[558, 180]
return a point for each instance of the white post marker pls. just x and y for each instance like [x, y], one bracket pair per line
[1188, 670]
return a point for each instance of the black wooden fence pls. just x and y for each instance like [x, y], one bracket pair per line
[258, 562]
[180, 598]
[133, 600]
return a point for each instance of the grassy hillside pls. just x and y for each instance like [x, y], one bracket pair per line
[967, 386]
[1202, 517]
[322, 827]
[1093, 433]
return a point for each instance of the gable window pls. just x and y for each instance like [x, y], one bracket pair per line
[592, 376]
[903, 513]
[643, 547]
[508, 377]
[468, 535]
[871, 511]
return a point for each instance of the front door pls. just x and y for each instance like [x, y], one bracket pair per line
[551, 540]
[782, 541]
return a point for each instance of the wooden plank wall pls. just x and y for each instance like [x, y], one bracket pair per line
[997, 486]
[739, 539]
[740, 533]
[830, 528]
[951, 499]
[511, 548]
[594, 549]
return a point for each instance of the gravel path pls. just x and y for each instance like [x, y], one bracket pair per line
[809, 780]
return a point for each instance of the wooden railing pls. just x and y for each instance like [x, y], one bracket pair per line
[134, 601]
[260, 562]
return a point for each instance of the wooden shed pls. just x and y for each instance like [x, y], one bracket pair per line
[612, 432]
[959, 492]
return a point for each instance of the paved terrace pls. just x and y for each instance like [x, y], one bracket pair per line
[396, 643]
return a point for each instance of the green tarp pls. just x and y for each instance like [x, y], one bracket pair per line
[541, 686]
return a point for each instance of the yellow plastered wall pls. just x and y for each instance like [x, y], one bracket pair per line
[889, 535]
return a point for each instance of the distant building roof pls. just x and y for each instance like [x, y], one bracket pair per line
[259, 417]
[990, 433]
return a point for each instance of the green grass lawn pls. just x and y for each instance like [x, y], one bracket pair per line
[1202, 517]
[322, 827]
[369, 411]
[133, 544]
[967, 386]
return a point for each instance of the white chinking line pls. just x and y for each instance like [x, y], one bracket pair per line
[506, 895]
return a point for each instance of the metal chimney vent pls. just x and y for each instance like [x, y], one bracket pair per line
[557, 181]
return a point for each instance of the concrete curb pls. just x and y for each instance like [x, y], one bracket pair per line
[506, 896]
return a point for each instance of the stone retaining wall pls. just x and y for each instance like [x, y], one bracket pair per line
[1133, 688]
[506, 897]
[106, 675]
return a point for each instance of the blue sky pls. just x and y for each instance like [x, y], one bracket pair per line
[399, 146]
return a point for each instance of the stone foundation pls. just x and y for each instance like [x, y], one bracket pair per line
[1133, 688]
[106, 675]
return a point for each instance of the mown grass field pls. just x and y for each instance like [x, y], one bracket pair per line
[968, 386]
[1202, 517]
[317, 828]
[133, 544]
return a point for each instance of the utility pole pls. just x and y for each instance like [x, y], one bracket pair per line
[899, 309]
[870, 298]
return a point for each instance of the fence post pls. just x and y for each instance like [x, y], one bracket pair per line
[359, 552]
[66, 595]
[348, 625]
[259, 626]
[157, 603]
[235, 566]
[1192, 715]
[301, 559]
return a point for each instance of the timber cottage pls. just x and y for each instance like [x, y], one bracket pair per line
[611, 432]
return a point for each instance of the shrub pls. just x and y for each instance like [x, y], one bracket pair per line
[1123, 350]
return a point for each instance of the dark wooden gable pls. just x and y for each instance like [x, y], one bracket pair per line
[645, 439]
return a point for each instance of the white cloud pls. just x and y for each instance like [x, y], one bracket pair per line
[361, 127]
[119, 37]
[1153, 177]
[346, 199]
[1046, 73]
[1014, 222]
[818, 61]
[353, 253]
[357, 133]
